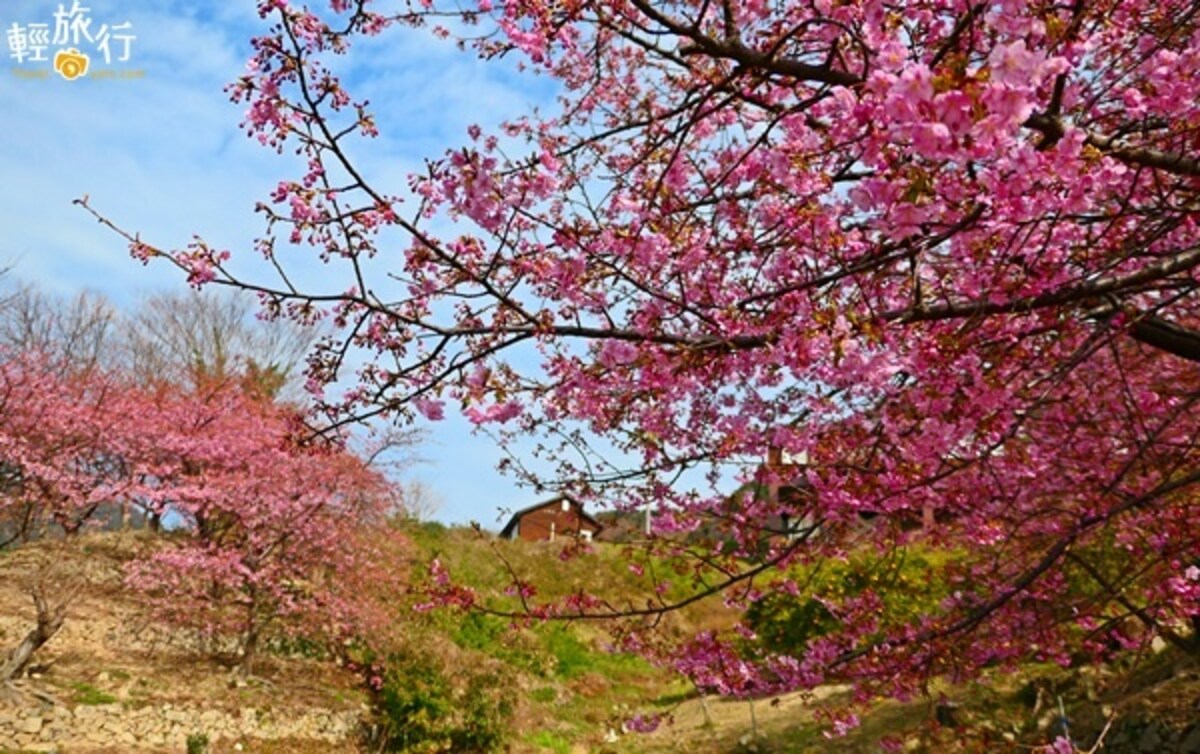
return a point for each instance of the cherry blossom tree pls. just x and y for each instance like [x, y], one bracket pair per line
[69, 445]
[282, 529]
[279, 533]
[944, 251]
[70, 448]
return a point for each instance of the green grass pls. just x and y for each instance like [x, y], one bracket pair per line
[682, 693]
[544, 695]
[87, 694]
[482, 562]
[572, 658]
[576, 684]
[546, 739]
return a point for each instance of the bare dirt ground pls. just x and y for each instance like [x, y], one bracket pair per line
[711, 725]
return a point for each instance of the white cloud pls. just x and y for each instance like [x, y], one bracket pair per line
[163, 156]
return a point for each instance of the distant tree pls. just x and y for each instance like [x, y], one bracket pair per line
[418, 501]
[198, 338]
[82, 332]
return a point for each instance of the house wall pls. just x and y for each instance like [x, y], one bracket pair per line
[536, 525]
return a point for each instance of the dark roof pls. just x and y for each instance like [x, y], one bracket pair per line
[507, 531]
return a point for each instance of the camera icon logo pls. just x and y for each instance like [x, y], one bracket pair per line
[70, 63]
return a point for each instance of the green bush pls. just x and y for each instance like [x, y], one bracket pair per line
[786, 624]
[479, 631]
[197, 743]
[423, 710]
[908, 582]
[544, 695]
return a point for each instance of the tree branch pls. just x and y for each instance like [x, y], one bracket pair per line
[1171, 162]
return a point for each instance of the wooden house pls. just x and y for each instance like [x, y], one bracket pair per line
[562, 516]
[784, 499]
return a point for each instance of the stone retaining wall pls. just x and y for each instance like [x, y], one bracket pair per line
[161, 726]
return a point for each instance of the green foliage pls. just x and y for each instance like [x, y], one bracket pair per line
[907, 582]
[424, 710]
[479, 631]
[572, 658]
[495, 638]
[85, 693]
[546, 739]
[197, 743]
[544, 695]
[475, 560]
[434, 530]
[787, 625]
[573, 680]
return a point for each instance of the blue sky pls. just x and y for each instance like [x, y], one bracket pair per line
[156, 147]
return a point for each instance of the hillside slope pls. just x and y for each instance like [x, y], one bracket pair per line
[111, 681]
[114, 681]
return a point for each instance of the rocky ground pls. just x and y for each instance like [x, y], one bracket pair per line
[112, 681]
[115, 727]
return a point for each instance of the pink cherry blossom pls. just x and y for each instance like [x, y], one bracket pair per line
[943, 253]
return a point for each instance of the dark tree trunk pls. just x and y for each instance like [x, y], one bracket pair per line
[249, 650]
[49, 621]
[250, 637]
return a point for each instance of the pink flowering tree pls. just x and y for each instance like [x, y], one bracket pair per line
[282, 532]
[69, 446]
[71, 452]
[943, 251]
